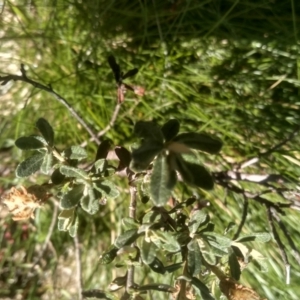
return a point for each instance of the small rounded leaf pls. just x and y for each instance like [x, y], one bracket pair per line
[148, 131]
[46, 130]
[124, 156]
[57, 177]
[170, 129]
[30, 165]
[29, 143]
[103, 149]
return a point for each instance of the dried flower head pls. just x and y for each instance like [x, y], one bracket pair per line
[22, 202]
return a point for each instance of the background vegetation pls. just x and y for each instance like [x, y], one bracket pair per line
[230, 68]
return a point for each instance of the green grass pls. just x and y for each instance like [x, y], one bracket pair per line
[210, 64]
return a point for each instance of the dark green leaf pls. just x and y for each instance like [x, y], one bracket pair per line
[46, 130]
[65, 219]
[217, 240]
[170, 129]
[100, 165]
[200, 141]
[126, 238]
[157, 266]
[162, 181]
[103, 150]
[47, 163]
[29, 143]
[73, 172]
[75, 152]
[235, 269]
[174, 267]
[168, 240]
[261, 237]
[57, 177]
[202, 288]
[129, 223]
[124, 156]
[108, 256]
[194, 258]
[194, 174]
[148, 252]
[30, 165]
[144, 155]
[158, 287]
[148, 131]
[196, 220]
[72, 198]
[99, 294]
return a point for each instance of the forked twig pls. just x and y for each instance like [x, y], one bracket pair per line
[49, 89]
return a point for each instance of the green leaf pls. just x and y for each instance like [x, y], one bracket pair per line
[261, 237]
[90, 201]
[217, 240]
[202, 288]
[108, 256]
[130, 223]
[74, 226]
[235, 269]
[57, 177]
[170, 129]
[99, 294]
[194, 258]
[168, 240]
[194, 174]
[196, 220]
[174, 267]
[200, 141]
[65, 219]
[103, 150]
[144, 155]
[47, 163]
[29, 143]
[124, 156]
[72, 198]
[69, 171]
[100, 165]
[30, 165]
[126, 238]
[107, 188]
[75, 152]
[162, 181]
[206, 251]
[46, 130]
[148, 131]
[148, 252]
[158, 287]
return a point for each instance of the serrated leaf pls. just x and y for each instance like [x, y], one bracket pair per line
[194, 174]
[196, 220]
[202, 288]
[29, 143]
[148, 131]
[30, 165]
[261, 237]
[99, 294]
[148, 252]
[235, 269]
[74, 226]
[57, 177]
[126, 238]
[47, 163]
[170, 129]
[72, 197]
[107, 188]
[124, 156]
[75, 152]
[200, 141]
[194, 260]
[162, 181]
[69, 171]
[157, 287]
[108, 256]
[46, 130]
[65, 219]
[103, 150]
[144, 155]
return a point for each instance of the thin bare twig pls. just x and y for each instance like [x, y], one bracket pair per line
[78, 267]
[279, 243]
[49, 89]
